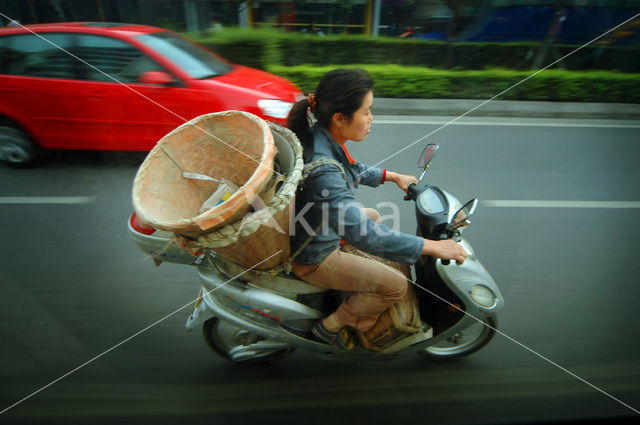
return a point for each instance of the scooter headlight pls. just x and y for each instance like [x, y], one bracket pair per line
[483, 296]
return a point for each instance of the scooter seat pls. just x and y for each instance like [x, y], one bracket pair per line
[282, 282]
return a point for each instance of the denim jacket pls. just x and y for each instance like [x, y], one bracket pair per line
[326, 205]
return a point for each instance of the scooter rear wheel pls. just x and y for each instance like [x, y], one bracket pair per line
[463, 343]
[222, 337]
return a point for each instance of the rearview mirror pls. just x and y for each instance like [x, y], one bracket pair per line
[425, 158]
[427, 155]
[156, 77]
[461, 218]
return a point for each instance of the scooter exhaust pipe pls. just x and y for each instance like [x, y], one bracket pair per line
[256, 350]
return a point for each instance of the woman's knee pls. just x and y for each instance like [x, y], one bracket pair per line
[394, 289]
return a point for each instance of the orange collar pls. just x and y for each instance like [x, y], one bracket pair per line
[351, 160]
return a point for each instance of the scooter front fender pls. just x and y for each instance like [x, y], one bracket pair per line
[471, 280]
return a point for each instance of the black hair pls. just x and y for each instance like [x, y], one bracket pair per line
[339, 91]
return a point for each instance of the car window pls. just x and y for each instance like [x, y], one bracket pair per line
[196, 62]
[115, 58]
[41, 55]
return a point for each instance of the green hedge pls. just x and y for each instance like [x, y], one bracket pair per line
[414, 68]
[261, 48]
[416, 82]
[254, 48]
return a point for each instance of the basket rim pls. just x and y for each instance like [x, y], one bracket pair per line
[216, 216]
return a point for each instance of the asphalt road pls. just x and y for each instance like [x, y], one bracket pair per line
[73, 287]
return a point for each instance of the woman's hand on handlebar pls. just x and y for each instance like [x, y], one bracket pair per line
[445, 249]
[402, 180]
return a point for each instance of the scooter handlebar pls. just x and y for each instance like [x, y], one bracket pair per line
[411, 193]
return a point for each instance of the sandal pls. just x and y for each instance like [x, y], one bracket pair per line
[343, 339]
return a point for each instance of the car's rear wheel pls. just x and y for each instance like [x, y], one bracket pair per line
[17, 149]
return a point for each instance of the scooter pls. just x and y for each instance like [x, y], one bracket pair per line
[251, 316]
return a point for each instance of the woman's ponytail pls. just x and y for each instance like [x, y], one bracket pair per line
[298, 122]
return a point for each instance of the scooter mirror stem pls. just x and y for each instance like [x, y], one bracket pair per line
[426, 168]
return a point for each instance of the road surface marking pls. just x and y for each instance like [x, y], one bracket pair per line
[560, 204]
[507, 122]
[46, 199]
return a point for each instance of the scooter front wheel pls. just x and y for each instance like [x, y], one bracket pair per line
[239, 345]
[464, 342]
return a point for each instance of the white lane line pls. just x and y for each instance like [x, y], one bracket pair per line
[560, 204]
[509, 123]
[46, 199]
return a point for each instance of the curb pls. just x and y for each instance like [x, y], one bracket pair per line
[506, 108]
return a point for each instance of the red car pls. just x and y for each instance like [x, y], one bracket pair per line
[107, 86]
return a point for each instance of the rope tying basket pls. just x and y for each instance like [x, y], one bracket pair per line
[261, 238]
[187, 165]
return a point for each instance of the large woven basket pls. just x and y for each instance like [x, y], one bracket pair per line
[231, 145]
[261, 239]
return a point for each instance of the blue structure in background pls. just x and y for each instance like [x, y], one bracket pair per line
[531, 23]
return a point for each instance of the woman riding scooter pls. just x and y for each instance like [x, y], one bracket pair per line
[341, 105]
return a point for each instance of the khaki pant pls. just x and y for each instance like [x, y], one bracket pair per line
[373, 286]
